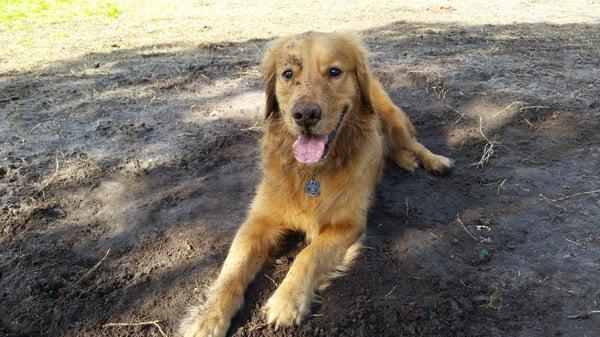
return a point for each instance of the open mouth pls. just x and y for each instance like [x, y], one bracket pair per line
[310, 148]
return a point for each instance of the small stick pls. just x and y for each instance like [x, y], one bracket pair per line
[501, 186]
[407, 209]
[571, 196]
[488, 149]
[186, 134]
[35, 127]
[391, 291]
[465, 227]
[584, 170]
[272, 280]
[256, 127]
[9, 99]
[256, 327]
[552, 202]
[507, 107]
[573, 242]
[155, 323]
[584, 315]
[460, 114]
[435, 236]
[92, 269]
[534, 107]
[560, 289]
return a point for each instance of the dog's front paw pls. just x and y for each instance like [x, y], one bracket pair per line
[208, 324]
[287, 307]
[438, 164]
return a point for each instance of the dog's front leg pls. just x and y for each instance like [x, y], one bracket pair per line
[247, 254]
[331, 251]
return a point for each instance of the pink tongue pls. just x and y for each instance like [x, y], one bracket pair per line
[309, 149]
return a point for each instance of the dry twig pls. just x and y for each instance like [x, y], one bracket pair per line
[155, 323]
[565, 197]
[460, 114]
[584, 315]
[437, 237]
[391, 291]
[272, 280]
[460, 222]
[256, 127]
[92, 269]
[9, 98]
[488, 149]
[552, 202]
[501, 186]
[506, 108]
[534, 107]
[255, 327]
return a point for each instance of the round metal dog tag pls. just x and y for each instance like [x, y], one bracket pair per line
[312, 188]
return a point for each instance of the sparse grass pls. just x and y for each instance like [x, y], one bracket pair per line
[53, 30]
[494, 301]
[74, 169]
[589, 49]
[439, 88]
[21, 14]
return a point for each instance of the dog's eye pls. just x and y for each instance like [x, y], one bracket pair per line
[288, 74]
[334, 72]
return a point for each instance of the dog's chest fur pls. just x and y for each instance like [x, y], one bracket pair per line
[347, 178]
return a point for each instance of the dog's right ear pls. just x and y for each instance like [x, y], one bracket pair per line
[270, 78]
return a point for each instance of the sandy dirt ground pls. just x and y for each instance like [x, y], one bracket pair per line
[128, 153]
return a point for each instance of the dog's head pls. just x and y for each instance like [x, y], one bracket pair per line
[312, 82]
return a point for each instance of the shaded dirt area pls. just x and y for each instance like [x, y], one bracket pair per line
[148, 157]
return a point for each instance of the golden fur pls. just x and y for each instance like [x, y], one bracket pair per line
[335, 220]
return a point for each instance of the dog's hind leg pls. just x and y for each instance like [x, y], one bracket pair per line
[247, 254]
[326, 256]
[400, 135]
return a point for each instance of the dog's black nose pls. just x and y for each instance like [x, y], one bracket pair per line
[306, 114]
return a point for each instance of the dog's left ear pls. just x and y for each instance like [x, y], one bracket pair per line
[363, 75]
[270, 78]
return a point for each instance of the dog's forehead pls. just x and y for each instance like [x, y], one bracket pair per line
[325, 48]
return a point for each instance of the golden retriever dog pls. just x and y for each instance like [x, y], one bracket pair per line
[328, 123]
